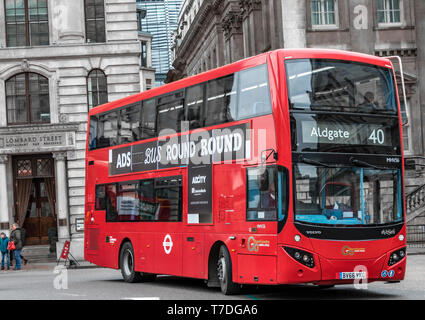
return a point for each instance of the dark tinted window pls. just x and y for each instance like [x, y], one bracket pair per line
[168, 193]
[147, 204]
[345, 86]
[170, 116]
[93, 133]
[148, 124]
[107, 130]
[100, 197]
[111, 202]
[145, 200]
[130, 124]
[194, 104]
[221, 100]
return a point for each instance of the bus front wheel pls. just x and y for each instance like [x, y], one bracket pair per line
[127, 266]
[224, 272]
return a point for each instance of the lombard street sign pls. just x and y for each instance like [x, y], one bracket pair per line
[52, 139]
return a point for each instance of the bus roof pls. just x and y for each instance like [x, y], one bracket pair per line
[305, 53]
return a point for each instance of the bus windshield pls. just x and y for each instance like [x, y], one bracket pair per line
[344, 86]
[347, 195]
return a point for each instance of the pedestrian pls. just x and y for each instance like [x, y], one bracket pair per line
[16, 237]
[4, 241]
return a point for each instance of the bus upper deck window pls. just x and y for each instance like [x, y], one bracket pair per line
[93, 133]
[148, 123]
[130, 124]
[338, 85]
[254, 92]
[194, 102]
[107, 130]
[221, 100]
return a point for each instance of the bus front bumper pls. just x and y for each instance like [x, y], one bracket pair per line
[338, 271]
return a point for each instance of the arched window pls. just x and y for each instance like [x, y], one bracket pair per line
[27, 23]
[97, 88]
[27, 99]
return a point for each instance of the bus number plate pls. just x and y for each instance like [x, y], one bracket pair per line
[352, 275]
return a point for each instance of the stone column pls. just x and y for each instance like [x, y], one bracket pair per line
[62, 196]
[68, 29]
[294, 23]
[252, 27]
[233, 38]
[4, 203]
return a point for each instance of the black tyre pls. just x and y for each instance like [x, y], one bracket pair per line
[224, 272]
[127, 264]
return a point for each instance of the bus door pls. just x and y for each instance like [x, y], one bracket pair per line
[168, 225]
[198, 216]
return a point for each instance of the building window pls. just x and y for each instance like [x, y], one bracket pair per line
[95, 20]
[389, 11]
[148, 84]
[141, 14]
[323, 12]
[27, 23]
[144, 54]
[97, 88]
[27, 99]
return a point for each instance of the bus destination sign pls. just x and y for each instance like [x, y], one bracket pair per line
[342, 133]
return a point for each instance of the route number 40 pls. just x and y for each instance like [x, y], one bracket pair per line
[377, 136]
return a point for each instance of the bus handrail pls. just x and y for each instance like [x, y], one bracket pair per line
[403, 86]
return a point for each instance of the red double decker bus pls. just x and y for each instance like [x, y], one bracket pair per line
[282, 168]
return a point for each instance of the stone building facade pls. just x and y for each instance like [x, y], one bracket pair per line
[58, 59]
[217, 32]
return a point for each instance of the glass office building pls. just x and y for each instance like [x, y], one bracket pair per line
[160, 21]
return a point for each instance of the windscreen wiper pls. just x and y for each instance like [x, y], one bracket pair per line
[366, 164]
[317, 163]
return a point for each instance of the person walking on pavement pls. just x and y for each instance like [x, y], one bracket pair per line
[4, 241]
[16, 237]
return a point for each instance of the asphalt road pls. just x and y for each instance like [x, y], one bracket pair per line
[106, 284]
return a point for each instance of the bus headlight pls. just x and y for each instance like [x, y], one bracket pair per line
[397, 256]
[303, 257]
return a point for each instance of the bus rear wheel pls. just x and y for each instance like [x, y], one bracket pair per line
[224, 272]
[127, 266]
